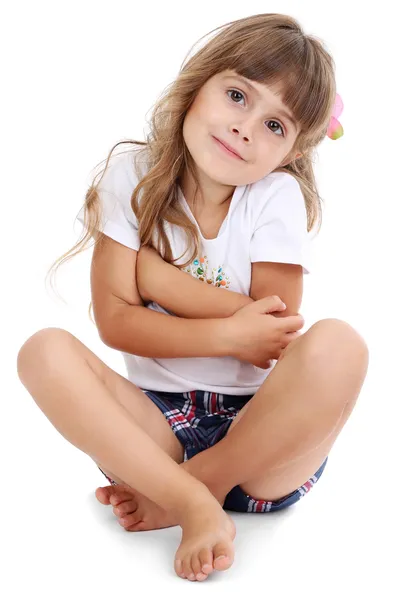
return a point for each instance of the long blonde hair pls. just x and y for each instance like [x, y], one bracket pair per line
[269, 48]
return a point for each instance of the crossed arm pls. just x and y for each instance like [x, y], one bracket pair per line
[185, 296]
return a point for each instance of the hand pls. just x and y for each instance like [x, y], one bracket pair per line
[257, 337]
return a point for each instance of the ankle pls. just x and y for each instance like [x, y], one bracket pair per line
[201, 506]
[193, 504]
[217, 488]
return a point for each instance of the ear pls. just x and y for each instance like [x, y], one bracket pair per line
[289, 158]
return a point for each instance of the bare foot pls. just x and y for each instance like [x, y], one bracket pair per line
[207, 541]
[134, 511]
[208, 532]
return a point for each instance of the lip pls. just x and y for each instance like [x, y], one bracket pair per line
[227, 148]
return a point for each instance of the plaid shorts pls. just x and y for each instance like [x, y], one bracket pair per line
[199, 420]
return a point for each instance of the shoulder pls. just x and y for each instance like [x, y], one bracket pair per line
[276, 194]
[118, 180]
[278, 183]
[124, 168]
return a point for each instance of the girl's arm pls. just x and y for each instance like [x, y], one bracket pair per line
[181, 294]
[125, 324]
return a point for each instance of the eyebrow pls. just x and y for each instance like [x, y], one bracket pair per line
[251, 87]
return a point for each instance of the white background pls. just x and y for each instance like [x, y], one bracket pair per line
[78, 77]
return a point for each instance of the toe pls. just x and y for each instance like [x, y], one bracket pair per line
[103, 494]
[196, 567]
[125, 508]
[187, 569]
[178, 568]
[223, 556]
[141, 526]
[118, 496]
[206, 560]
[130, 520]
[195, 563]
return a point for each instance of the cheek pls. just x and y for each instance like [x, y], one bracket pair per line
[200, 122]
[267, 158]
[192, 122]
[268, 155]
[208, 113]
[193, 134]
[189, 129]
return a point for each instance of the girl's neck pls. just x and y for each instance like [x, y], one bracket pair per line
[212, 194]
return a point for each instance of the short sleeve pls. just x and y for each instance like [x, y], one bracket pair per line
[115, 189]
[280, 233]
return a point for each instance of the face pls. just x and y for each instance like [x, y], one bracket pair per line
[250, 118]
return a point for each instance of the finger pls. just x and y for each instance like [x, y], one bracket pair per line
[266, 365]
[286, 340]
[289, 337]
[269, 304]
[292, 323]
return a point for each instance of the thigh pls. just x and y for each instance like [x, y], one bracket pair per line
[283, 480]
[53, 344]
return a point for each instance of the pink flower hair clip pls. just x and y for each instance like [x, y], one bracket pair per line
[335, 129]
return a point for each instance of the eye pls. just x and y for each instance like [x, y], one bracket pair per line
[232, 91]
[279, 125]
[237, 92]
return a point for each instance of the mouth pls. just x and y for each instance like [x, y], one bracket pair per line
[227, 149]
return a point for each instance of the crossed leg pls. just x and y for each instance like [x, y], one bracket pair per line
[282, 436]
[57, 371]
[284, 433]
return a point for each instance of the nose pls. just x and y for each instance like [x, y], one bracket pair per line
[237, 130]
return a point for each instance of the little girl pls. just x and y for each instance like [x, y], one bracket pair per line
[200, 247]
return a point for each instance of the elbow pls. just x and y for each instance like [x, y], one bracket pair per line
[117, 330]
[107, 337]
[109, 328]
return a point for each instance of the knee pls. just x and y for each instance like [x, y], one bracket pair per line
[330, 338]
[41, 349]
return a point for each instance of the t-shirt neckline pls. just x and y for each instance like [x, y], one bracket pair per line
[238, 192]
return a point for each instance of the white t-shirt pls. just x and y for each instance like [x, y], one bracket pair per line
[266, 221]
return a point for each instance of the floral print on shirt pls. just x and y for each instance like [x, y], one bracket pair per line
[200, 269]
